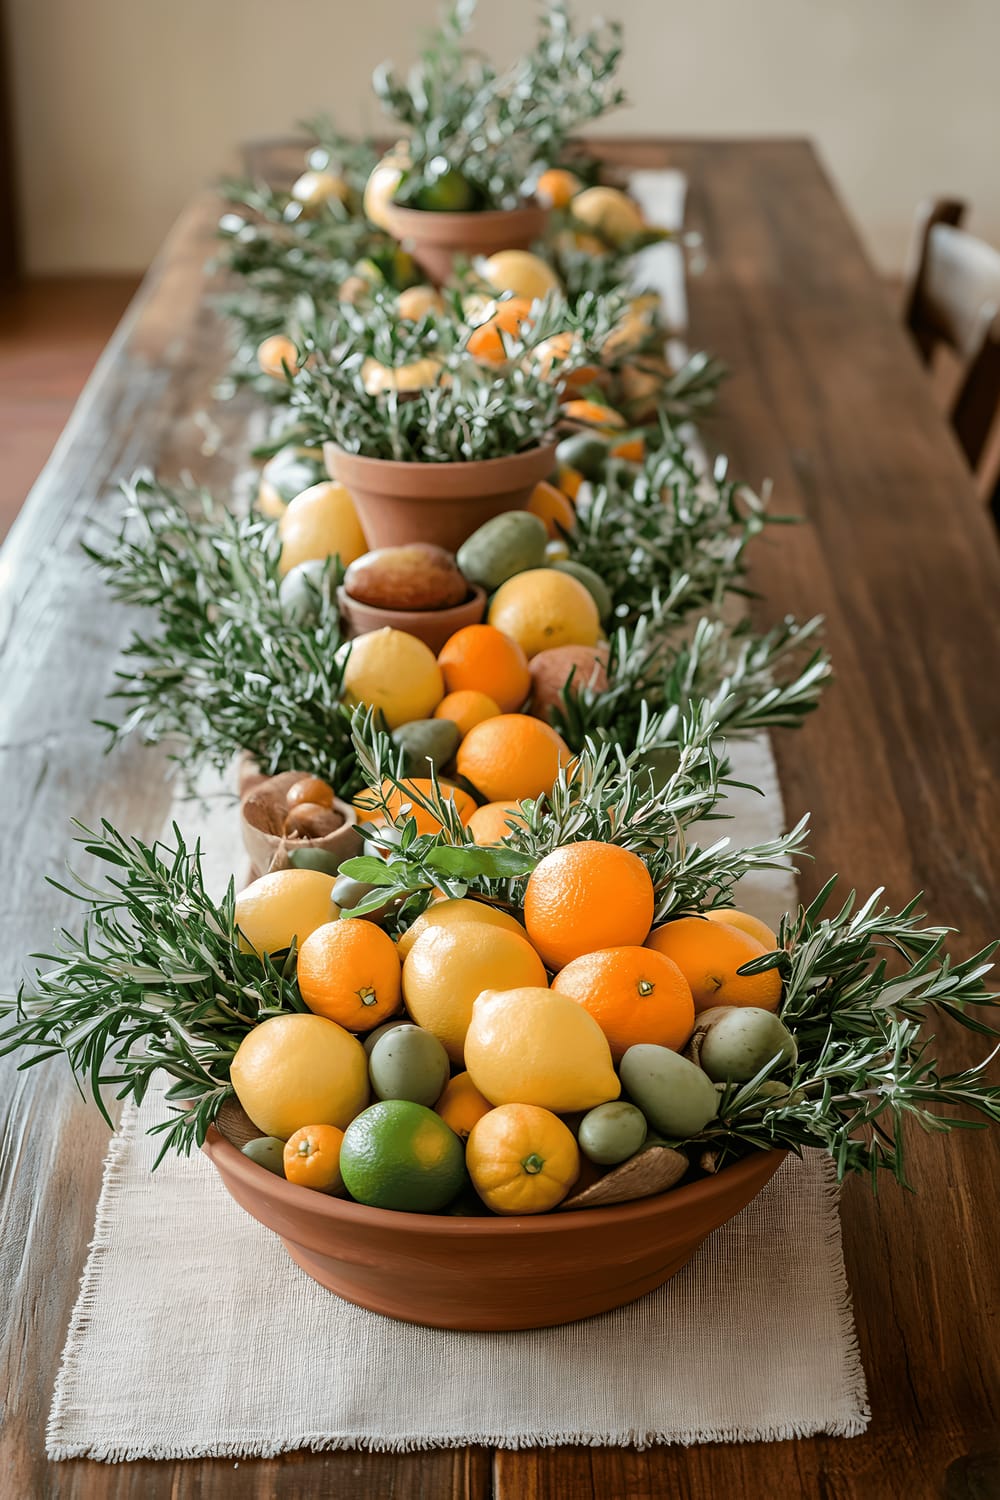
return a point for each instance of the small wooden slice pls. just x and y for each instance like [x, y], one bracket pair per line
[652, 1171]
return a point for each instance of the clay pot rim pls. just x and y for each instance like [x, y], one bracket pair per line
[346, 602]
[338, 1211]
[470, 473]
[444, 226]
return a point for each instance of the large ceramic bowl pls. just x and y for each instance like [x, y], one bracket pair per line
[489, 1273]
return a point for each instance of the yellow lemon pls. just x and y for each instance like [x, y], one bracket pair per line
[416, 376]
[321, 522]
[730, 917]
[522, 1159]
[614, 215]
[447, 969]
[313, 189]
[415, 302]
[451, 913]
[520, 273]
[381, 186]
[395, 673]
[284, 905]
[534, 1046]
[543, 608]
[300, 1070]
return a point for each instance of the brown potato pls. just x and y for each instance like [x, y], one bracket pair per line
[416, 576]
[552, 669]
[311, 821]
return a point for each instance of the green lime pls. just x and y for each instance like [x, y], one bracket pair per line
[267, 1151]
[612, 1133]
[408, 1063]
[447, 193]
[401, 1155]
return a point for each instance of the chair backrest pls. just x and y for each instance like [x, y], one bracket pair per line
[953, 297]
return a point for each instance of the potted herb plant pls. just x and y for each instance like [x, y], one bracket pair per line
[429, 441]
[474, 140]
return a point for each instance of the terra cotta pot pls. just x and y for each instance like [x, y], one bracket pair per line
[488, 1273]
[436, 240]
[441, 503]
[432, 626]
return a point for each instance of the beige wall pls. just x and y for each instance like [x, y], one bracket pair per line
[123, 107]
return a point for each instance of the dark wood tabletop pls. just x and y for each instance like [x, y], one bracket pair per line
[898, 768]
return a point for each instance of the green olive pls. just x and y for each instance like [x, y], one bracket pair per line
[409, 1063]
[733, 1042]
[612, 1133]
[268, 1152]
[676, 1097]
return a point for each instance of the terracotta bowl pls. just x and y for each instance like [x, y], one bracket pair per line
[441, 503]
[489, 1273]
[432, 626]
[436, 240]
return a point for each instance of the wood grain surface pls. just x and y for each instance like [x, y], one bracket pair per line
[898, 768]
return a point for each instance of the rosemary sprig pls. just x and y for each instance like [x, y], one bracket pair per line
[749, 682]
[669, 539]
[493, 131]
[156, 981]
[865, 1066]
[227, 669]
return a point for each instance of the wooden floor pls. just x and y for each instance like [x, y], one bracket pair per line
[52, 330]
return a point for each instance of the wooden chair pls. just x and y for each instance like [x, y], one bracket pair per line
[953, 297]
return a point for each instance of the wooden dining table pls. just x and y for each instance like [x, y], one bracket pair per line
[898, 769]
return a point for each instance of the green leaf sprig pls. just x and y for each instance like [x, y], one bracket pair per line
[229, 668]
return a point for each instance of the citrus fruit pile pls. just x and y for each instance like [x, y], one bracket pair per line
[500, 1058]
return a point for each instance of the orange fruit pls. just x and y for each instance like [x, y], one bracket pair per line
[593, 413]
[462, 1105]
[522, 1159]
[709, 955]
[544, 607]
[552, 506]
[549, 358]
[634, 994]
[482, 657]
[453, 910]
[570, 481]
[509, 316]
[467, 708]
[491, 824]
[587, 896]
[448, 968]
[275, 353]
[632, 449]
[312, 1158]
[367, 807]
[746, 923]
[512, 757]
[556, 188]
[349, 972]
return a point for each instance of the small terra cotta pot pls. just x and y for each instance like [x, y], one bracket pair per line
[441, 503]
[485, 1273]
[437, 240]
[432, 626]
[262, 817]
